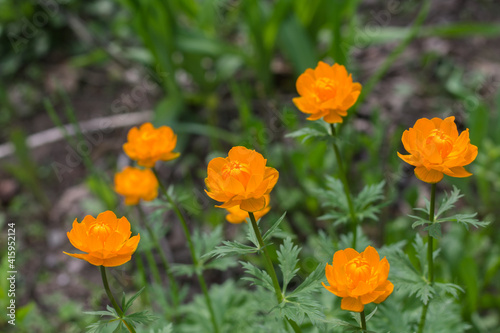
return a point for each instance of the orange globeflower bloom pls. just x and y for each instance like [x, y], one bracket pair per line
[237, 215]
[241, 179]
[359, 278]
[136, 184]
[147, 144]
[327, 91]
[436, 148]
[106, 239]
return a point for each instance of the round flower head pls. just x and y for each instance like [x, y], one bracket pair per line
[359, 278]
[436, 148]
[136, 184]
[236, 215]
[241, 179]
[147, 144]
[326, 92]
[106, 239]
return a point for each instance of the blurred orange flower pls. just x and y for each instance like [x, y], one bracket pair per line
[237, 215]
[135, 184]
[147, 144]
[106, 239]
[359, 278]
[327, 91]
[436, 148]
[241, 179]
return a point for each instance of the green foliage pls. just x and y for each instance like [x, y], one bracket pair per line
[133, 319]
[447, 203]
[335, 201]
[411, 280]
[288, 260]
[316, 130]
[232, 248]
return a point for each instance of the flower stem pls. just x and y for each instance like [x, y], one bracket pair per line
[112, 299]
[199, 274]
[363, 320]
[430, 258]
[270, 269]
[168, 270]
[347, 191]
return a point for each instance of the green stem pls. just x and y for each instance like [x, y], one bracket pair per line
[166, 265]
[112, 299]
[347, 191]
[270, 269]
[199, 274]
[363, 320]
[430, 258]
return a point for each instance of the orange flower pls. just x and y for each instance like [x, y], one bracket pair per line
[135, 184]
[359, 278]
[436, 148]
[237, 215]
[241, 179]
[106, 239]
[327, 91]
[147, 144]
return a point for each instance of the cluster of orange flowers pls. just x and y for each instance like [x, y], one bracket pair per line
[242, 182]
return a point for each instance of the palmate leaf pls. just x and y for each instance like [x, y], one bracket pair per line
[448, 288]
[205, 242]
[258, 277]
[364, 204]
[297, 308]
[311, 283]
[465, 219]
[449, 201]
[288, 259]
[229, 248]
[334, 196]
[142, 317]
[316, 130]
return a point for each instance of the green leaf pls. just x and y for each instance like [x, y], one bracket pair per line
[311, 283]
[465, 219]
[448, 288]
[296, 308]
[142, 317]
[288, 258]
[370, 315]
[258, 277]
[315, 130]
[131, 300]
[369, 195]
[434, 230]
[273, 228]
[229, 248]
[449, 201]
[100, 313]
[334, 198]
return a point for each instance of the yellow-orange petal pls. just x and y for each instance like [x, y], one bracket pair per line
[351, 253]
[116, 261]
[458, 172]
[351, 304]
[429, 176]
[389, 288]
[371, 255]
[253, 204]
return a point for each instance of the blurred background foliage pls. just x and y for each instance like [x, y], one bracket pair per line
[222, 73]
